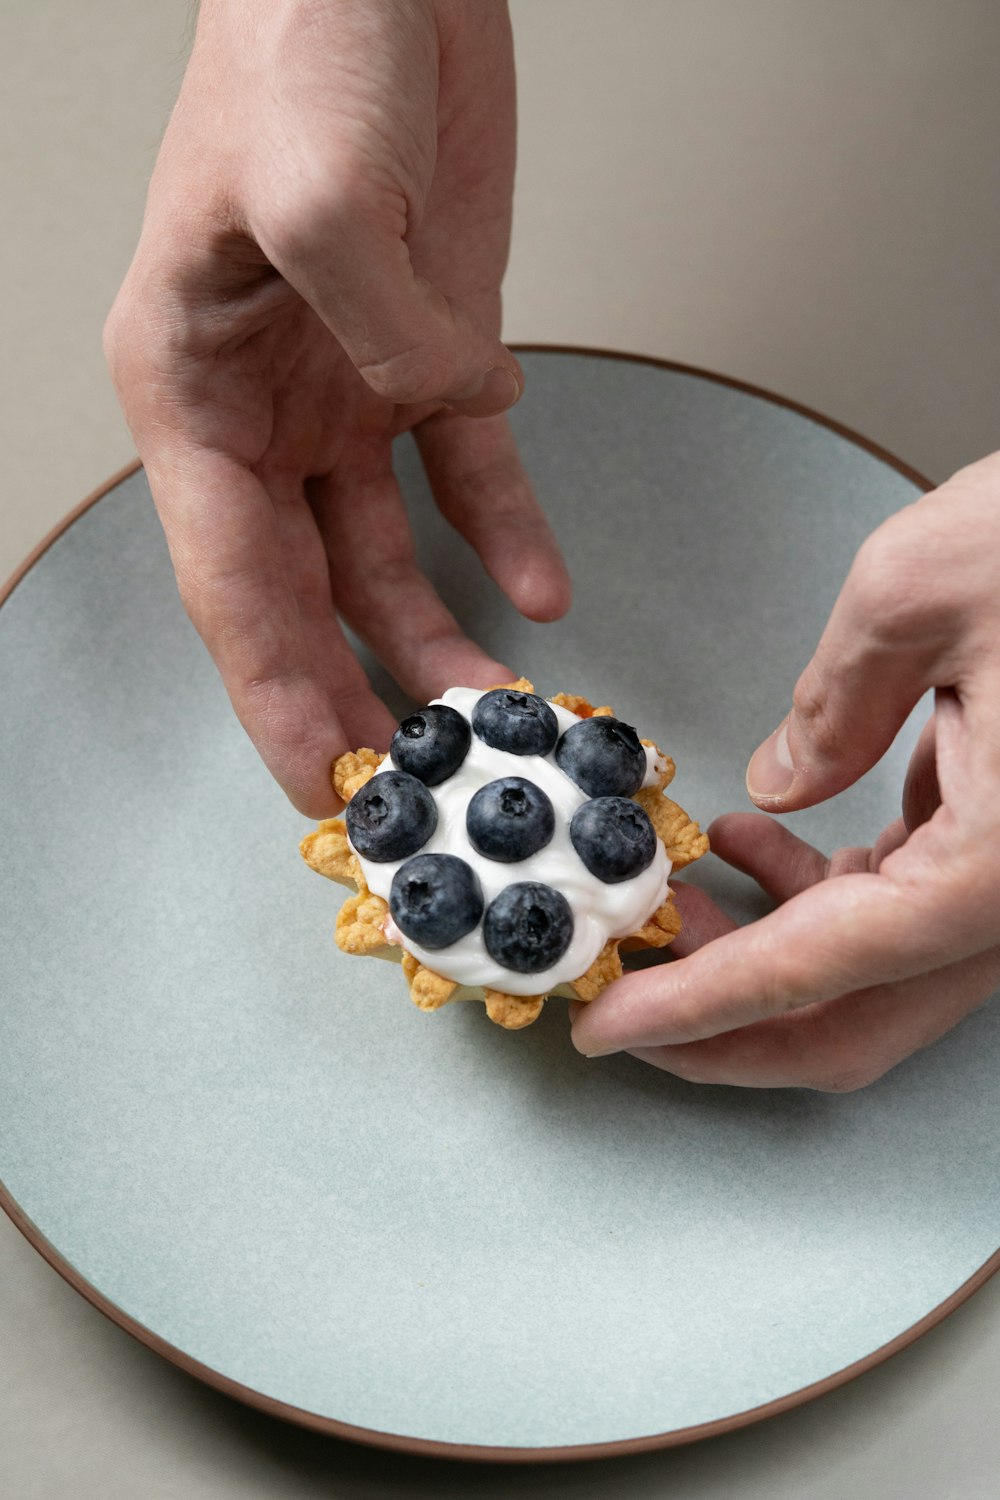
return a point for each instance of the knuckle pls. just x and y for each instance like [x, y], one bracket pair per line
[308, 214]
[119, 339]
[835, 1060]
[136, 340]
[888, 580]
[113, 334]
[290, 230]
[801, 976]
[214, 601]
[820, 1056]
[814, 715]
[788, 986]
[686, 1027]
[502, 496]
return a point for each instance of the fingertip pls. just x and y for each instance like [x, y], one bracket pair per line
[362, 721]
[481, 487]
[540, 588]
[500, 388]
[592, 1049]
[305, 774]
[586, 1044]
[733, 827]
[314, 804]
[771, 771]
[467, 666]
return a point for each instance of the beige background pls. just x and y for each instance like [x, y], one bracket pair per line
[801, 193]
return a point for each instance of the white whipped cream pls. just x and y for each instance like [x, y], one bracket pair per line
[600, 911]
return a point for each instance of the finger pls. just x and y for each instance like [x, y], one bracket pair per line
[480, 486]
[378, 586]
[228, 553]
[840, 935]
[343, 249]
[784, 865]
[841, 1044]
[887, 641]
[780, 862]
[702, 921]
[364, 719]
[888, 841]
[921, 793]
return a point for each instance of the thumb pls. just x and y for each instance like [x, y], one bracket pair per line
[879, 653]
[409, 342]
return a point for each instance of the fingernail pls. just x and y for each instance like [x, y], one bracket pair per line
[771, 770]
[498, 390]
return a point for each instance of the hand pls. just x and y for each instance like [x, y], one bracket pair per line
[877, 952]
[319, 270]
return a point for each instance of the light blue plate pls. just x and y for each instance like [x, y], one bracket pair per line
[257, 1154]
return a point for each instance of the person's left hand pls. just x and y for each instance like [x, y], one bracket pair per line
[876, 952]
[319, 271]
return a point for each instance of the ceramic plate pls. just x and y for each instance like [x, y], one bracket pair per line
[421, 1230]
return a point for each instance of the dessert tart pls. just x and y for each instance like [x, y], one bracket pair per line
[508, 848]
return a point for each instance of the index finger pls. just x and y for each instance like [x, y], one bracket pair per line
[844, 934]
[480, 486]
[230, 558]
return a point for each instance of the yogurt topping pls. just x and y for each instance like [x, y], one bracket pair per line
[600, 911]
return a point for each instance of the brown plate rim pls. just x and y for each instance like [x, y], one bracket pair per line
[427, 1447]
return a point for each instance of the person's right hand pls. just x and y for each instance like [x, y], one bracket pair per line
[319, 270]
[876, 952]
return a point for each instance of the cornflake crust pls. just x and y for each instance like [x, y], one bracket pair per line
[361, 922]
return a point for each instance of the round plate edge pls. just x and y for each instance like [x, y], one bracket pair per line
[431, 1448]
[458, 1451]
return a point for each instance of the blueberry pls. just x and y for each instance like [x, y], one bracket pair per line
[393, 815]
[522, 723]
[431, 744]
[603, 756]
[510, 819]
[435, 899]
[614, 838]
[528, 927]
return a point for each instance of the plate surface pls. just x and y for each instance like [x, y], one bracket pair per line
[275, 1169]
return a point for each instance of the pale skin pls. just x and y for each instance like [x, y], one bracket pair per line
[319, 270]
[876, 952]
